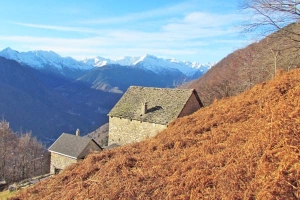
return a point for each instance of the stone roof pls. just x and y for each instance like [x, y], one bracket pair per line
[163, 104]
[70, 145]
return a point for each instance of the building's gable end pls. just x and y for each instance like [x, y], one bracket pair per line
[59, 162]
[193, 104]
[91, 146]
[198, 98]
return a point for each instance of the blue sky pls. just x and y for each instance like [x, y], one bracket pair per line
[195, 30]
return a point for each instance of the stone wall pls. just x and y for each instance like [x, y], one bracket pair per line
[125, 131]
[191, 106]
[60, 162]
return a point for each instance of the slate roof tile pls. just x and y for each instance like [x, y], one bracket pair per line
[70, 145]
[164, 104]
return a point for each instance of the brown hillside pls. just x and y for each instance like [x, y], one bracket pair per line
[246, 67]
[244, 147]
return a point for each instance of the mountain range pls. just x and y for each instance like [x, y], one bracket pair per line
[48, 94]
[50, 60]
[152, 63]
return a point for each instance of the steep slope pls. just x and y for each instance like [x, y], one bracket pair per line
[26, 79]
[246, 67]
[30, 103]
[243, 147]
[26, 102]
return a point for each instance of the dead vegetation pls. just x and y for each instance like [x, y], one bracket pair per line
[243, 147]
[249, 66]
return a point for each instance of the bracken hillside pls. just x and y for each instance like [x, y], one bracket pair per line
[246, 67]
[243, 147]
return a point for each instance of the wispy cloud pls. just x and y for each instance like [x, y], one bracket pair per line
[171, 35]
[56, 28]
[140, 16]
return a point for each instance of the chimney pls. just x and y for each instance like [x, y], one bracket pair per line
[144, 108]
[78, 132]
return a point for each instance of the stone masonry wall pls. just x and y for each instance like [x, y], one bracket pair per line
[125, 131]
[60, 162]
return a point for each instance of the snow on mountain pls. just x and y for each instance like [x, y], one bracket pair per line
[99, 61]
[42, 59]
[155, 64]
[96, 62]
[152, 63]
[188, 67]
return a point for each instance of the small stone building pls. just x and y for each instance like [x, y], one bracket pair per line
[142, 112]
[68, 149]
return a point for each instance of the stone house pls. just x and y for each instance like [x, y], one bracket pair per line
[68, 149]
[142, 112]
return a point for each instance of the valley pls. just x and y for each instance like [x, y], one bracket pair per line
[48, 94]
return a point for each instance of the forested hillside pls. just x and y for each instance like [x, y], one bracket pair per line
[21, 155]
[243, 147]
[244, 68]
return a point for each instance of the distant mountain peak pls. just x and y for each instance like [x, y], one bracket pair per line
[9, 53]
[8, 49]
[146, 57]
[152, 63]
[42, 59]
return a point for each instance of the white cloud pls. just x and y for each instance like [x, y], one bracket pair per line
[57, 28]
[187, 34]
[140, 16]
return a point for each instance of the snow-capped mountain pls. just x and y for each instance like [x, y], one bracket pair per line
[100, 61]
[152, 63]
[41, 59]
[50, 60]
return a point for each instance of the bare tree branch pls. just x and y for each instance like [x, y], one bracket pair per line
[270, 15]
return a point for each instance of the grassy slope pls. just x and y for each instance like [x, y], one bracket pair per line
[241, 147]
[6, 194]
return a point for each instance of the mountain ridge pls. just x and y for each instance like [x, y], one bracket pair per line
[152, 63]
[40, 59]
